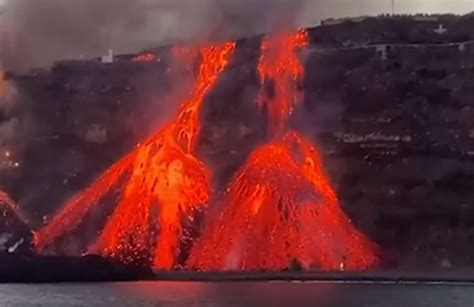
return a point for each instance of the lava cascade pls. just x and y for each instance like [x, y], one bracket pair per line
[163, 185]
[279, 69]
[280, 211]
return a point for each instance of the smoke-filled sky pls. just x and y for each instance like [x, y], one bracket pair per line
[36, 32]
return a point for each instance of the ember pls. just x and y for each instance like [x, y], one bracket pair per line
[145, 57]
[280, 210]
[7, 161]
[164, 184]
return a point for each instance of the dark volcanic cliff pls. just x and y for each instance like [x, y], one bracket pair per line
[396, 129]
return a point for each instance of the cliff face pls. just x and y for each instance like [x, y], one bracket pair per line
[396, 133]
[400, 146]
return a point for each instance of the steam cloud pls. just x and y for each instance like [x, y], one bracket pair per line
[36, 33]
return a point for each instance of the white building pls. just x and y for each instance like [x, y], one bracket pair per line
[440, 30]
[109, 58]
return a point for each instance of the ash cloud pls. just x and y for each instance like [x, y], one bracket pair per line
[36, 33]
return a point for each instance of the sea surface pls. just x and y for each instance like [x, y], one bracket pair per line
[237, 294]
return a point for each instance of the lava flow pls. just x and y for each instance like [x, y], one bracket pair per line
[145, 57]
[279, 69]
[162, 183]
[280, 211]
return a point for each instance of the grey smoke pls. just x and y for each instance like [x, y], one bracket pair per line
[36, 33]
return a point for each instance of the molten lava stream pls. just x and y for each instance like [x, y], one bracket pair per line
[280, 210]
[166, 183]
[165, 179]
[279, 68]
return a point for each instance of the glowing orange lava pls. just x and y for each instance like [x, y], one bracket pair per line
[145, 57]
[279, 70]
[164, 185]
[280, 210]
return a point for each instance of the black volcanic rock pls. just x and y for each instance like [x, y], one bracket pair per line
[47, 269]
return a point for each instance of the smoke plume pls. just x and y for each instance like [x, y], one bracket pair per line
[36, 33]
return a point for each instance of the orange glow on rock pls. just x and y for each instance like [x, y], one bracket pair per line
[145, 57]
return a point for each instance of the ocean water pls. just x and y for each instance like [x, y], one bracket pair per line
[235, 294]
